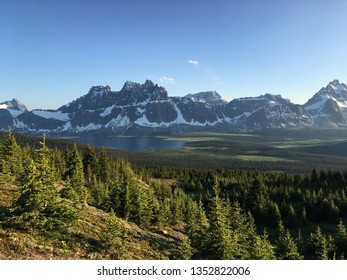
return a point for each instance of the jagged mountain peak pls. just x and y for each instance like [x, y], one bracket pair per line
[333, 88]
[210, 97]
[333, 92]
[129, 85]
[99, 90]
[265, 98]
[149, 84]
[133, 86]
[14, 104]
[335, 82]
[337, 87]
[136, 92]
[14, 108]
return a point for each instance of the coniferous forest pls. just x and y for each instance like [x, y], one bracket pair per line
[79, 202]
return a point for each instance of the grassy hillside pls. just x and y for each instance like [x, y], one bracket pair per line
[83, 240]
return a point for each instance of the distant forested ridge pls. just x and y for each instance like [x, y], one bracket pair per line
[78, 202]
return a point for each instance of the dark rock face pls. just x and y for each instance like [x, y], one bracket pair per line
[147, 108]
[6, 119]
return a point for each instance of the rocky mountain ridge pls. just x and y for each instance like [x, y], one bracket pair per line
[147, 108]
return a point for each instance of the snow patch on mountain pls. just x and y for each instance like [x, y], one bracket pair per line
[180, 119]
[143, 121]
[107, 111]
[89, 127]
[140, 110]
[342, 105]
[120, 121]
[67, 127]
[319, 105]
[15, 113]
[19, 124]
[57, 115]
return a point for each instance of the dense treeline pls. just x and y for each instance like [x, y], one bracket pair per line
[221, 213]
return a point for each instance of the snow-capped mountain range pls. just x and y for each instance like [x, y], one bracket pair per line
[147, 108]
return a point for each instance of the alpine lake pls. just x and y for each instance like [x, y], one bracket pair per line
[140, 144]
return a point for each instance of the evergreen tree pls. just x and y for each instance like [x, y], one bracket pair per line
[197, 227]
[147, 201]
[90, 163]
[164, 215]
[273, 215]
[317, 248]
[39, 204]
[184, 250]
[341, 240]
[75, 176]
[261, 248]
[99, 194]
[286, 247]
[5, 172]
[124, 191]
[257, 198]
[291, 219]
[113, 238]
[11, 158]
[304, 216]
[242, 227]
[104, 165]
[221, 242]
[301, 244]
[177, 206]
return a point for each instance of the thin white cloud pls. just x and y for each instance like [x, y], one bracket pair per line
[194, 62]
[167, 80]
[214, 77]
[217, 80]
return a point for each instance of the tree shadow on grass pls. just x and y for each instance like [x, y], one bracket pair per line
[4, 212]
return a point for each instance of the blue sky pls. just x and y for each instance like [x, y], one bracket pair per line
[53, 51]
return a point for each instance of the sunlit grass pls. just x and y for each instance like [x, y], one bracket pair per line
[262, 158]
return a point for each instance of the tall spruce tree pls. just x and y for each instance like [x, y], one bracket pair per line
[317, 248]
[39, 204]
[5, 172]
[105, 166]
[196, 227]
[113, 238]
[261, 248]
[341, 240]
[90, 163]
[221, 242]
[11, 158]
[184, 250]
[75, 175]
[257, 198]
[286, 246]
